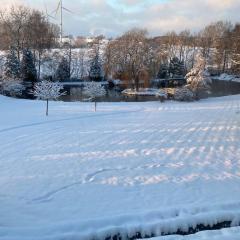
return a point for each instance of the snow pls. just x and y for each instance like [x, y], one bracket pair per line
[46, 90]
[147, 167]
[141, 92]
[227, 77]
[117, 81]
[224, 234]
[82, 83]
[94, 90]
[198, 78]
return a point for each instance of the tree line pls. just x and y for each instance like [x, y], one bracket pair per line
[23, 28]
[133, 57]
[173, 55]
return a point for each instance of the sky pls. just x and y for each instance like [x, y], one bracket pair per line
[113, 17]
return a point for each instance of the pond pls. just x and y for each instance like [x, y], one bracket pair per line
[219, 88]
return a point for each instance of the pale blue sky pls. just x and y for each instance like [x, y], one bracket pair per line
[112, 17]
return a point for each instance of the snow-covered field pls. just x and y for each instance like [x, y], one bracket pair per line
[150, 167]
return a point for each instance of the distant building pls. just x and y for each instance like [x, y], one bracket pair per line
[66, 39]
[82, 41]
[90, 39]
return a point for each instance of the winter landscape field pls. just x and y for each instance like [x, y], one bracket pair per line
[146, 168]
[119, 120]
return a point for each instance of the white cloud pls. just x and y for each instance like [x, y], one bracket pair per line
[8, 3]
[107, 16]
[189, 14]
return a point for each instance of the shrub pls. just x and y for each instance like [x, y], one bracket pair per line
[184, 94]
[162, 95]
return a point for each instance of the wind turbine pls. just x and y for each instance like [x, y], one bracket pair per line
[46, 12]
[61, 8]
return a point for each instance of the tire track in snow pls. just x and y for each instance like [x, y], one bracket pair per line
[46, 134]
[91, 176]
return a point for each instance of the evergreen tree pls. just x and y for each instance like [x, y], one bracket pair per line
[96, 73]
[176, 68]
[12, 66]
[63, 70]
[163, 71]
[28, 70]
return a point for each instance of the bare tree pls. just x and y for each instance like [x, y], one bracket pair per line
[128, 55]
[78, 66]
[13, 25]
[236, 49]
[40, 35]
[22, 27]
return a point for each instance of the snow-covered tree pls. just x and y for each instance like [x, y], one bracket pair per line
[63, 70]
[11, 69]
[11, 84]
[176, 68]
[93, 90]
[28, 70]
[198, 78]
[47, 90]
[96, 71]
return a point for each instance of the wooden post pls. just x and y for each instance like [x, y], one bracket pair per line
[47, 108]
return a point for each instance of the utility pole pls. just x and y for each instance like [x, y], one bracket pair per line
[61, 23]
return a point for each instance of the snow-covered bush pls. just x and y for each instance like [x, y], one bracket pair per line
[11, 84]
[46, 90]
[13, 88]
[93, 90]
[198, 78]
[162, 94]
[183, 94]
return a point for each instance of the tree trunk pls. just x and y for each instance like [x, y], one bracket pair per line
[137, 82]
[70, 60]
[95, 106]
[47, 108]
[224, 61]
[39, 65]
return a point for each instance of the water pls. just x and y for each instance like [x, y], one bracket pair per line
[76, 94]
[219, 88]
[224, 88]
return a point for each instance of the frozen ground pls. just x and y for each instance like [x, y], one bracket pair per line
[129, 167]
